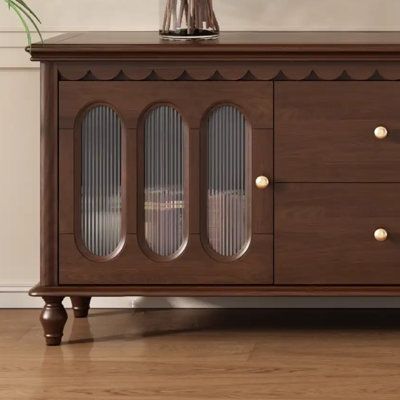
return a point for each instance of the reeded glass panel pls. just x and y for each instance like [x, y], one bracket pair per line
[228, 169]
[164, 180]
[101, 180]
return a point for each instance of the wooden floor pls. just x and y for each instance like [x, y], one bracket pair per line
[204, 354]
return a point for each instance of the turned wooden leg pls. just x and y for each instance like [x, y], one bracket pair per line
[53, 319]
[80, 306]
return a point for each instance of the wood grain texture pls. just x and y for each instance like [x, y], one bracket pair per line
[80, 306]
[260, 207]
[225, 70]
[53, 318]
[316, 131]
[132, 99]
[197, 354]
[263, 164]
[230, 46]
[325, 131]
[66, 181]
[252, 290]
[254, 98]
[49, 176]
[325, 234]
[298, 39]
[194, 266]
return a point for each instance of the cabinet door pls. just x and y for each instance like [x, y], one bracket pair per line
[157, 183]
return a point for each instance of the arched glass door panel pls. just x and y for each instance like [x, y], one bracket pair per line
[101, 198]
[229, 172]
[165, 220]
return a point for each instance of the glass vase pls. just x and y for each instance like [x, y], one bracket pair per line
[188, 20]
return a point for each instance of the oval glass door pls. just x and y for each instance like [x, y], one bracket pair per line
[101, 188]
[165, 209]
[228, 181]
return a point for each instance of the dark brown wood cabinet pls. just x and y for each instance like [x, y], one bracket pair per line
[196, 263]
[325, 234]
[324, 131]
[259, 164]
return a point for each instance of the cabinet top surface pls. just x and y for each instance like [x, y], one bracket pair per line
[125, 45]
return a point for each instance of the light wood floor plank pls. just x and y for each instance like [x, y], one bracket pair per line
[204, 354]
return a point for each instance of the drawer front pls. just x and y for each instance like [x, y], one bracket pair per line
[325, 132]
[325, 234]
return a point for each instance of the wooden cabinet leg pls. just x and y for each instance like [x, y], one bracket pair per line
[80, 306]
[53, 319]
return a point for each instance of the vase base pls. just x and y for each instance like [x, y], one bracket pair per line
[183, 38]
[183, 35]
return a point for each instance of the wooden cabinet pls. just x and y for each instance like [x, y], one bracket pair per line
[325, 234]
[171, 189]
[260, 164]
[337, 164]
[325, 131]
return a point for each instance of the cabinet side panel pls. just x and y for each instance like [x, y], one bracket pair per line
[49, 176]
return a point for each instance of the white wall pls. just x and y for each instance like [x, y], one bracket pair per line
[19, 105]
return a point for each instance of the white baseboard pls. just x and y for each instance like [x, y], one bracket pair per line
[16, 296]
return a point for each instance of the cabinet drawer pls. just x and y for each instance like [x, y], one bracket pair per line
[325, 233]
[325, 132]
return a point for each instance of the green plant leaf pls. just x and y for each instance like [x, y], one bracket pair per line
[26, 27]
[23, 4]
[30, 19]
[24, 11]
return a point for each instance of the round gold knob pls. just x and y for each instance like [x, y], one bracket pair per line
[381, 235]
[262, 182]
[381, 132]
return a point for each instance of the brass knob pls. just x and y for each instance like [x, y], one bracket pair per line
[381, 132]
[381, 235]
[262, 182]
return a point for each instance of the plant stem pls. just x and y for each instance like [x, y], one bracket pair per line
[26, 16]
